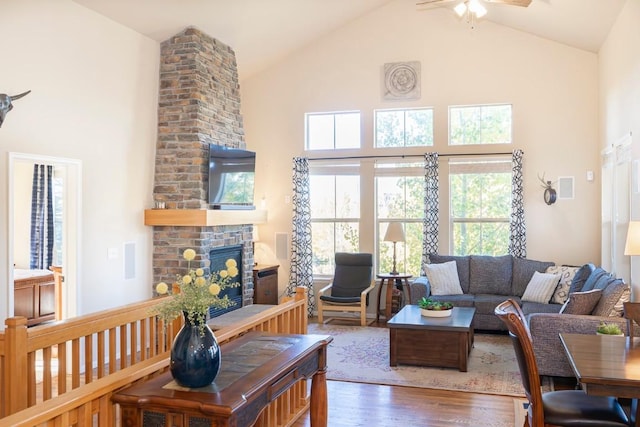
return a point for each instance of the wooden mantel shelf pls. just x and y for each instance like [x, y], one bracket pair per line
[203, 217]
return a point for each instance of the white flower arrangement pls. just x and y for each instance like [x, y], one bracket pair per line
[194, 292]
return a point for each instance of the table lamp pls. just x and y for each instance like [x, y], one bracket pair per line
[632, 246]
[395, 234]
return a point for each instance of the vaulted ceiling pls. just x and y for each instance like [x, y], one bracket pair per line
[263, 31]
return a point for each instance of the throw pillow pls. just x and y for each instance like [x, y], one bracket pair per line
[567, 273]
[541, 287]
[581, 302]
[614, 290]
[581, 277]
[443, 278]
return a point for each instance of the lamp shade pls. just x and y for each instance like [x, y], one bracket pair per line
[395, 233]
[632, 247]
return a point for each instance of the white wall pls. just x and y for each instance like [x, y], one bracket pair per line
[94, 90]
[620, 97]
[553, 89]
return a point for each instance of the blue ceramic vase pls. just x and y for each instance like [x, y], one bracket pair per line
[195, 356]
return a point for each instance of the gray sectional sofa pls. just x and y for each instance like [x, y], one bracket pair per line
[486, 281]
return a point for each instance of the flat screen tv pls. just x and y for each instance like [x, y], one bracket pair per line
[231, 177]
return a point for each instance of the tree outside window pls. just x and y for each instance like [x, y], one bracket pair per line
[404, 128]
[480, 124]
[332, 131]
[335, 218]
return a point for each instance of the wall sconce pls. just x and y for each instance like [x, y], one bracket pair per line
[549, 193]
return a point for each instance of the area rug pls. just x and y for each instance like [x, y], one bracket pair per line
[361, 354]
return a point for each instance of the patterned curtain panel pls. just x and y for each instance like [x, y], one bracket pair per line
[301, 253]
[431, 207]
[517, 227]
[41, 256]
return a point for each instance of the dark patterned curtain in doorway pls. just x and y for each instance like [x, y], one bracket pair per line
[431, 208]
[517, 227]
[41, 256]
[301, 252]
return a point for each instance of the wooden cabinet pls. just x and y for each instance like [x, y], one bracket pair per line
[34, 298]
[265, 284]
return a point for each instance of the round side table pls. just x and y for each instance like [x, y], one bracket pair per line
[390, 280]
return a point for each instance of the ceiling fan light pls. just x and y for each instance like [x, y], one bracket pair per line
[476, 8]
[480, 11]
[460, 9]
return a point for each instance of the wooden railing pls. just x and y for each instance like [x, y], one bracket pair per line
[94, 360]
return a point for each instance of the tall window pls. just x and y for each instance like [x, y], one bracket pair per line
[480, 124]
[404, 128]
[400, 198]
[480, 206]
[335, 214]
[329, 131]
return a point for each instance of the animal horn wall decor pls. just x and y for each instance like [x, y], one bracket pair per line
[6, 105]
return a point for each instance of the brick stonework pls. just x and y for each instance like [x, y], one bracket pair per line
[198, 105]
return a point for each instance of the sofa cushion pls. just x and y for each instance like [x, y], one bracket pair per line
[598, 276]
[443, 278]
[523, 270]
[581, 302]
[581, 277]
[462, 263]
[614, 290]
[486, 303]
[529, 307]
[541, 287]
[490, 275]
[567, 273]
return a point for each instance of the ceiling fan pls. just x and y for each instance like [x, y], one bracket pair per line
[522, 3]
[471, 10]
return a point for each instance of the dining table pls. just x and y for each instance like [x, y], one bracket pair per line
[605, 365]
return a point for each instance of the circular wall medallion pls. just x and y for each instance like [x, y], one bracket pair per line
[402, 80]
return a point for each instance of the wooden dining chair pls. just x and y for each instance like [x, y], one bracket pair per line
[632, 314]
[562, 408]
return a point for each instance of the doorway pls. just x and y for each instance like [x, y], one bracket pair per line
[67, 173]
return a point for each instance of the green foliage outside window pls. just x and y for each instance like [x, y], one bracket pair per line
[404, 128]
[480, 124]
[480, 211]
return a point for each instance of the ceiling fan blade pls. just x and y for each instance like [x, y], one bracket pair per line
[429, 2]
[521, 3]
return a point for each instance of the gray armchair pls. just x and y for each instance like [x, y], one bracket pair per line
[349, 290]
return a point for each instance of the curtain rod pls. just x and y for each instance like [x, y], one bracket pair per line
[402, 156]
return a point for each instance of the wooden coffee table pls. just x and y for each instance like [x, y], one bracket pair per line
[431, 341]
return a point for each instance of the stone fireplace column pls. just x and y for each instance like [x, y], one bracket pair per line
[198, 105]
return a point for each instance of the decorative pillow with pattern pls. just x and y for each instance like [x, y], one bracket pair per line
[567, 273]
[443, 278]
[541, 287]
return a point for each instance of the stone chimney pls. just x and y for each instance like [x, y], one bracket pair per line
[199, 104]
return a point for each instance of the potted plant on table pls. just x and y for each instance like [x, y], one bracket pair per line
[609, 329]
[431, 308]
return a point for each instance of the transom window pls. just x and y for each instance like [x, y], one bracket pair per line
[480, 124]
[332, 131]
[404, 128]
[480, 206]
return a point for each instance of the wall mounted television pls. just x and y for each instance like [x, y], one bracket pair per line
[231, 177]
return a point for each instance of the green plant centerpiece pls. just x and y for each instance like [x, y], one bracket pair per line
[432, 308]
[609, 329]
[195, 292]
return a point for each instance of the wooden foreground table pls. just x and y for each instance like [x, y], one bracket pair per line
[256, 369]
